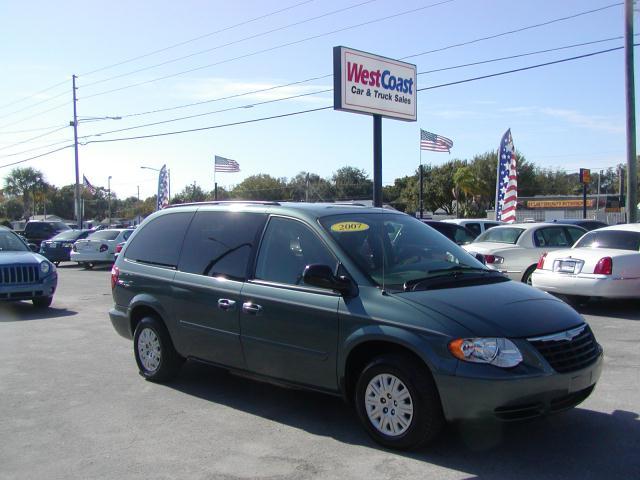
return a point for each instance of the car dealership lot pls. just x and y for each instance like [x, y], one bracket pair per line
[73, 406]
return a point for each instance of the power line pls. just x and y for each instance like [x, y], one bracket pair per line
[270, 49]
[33, 95]
[228, 44]
[197, 38]
[33, 158]
[66, 104]
[33, 138]
[33, 149]
[517, 30]
[326, 90]
[13, 132]
[28, 107]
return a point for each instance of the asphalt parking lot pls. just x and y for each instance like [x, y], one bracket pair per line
[72, 405]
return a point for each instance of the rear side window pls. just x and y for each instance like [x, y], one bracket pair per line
[575, 233]
[219, 244]
[159, 241]
[501, 235]
[488, 225]
[462, 236]
[474, 227]
[552, 237]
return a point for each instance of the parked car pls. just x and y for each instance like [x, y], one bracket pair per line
[368, 304]
[99, 247]
[476, 225]
[58, 249]
[603, 263]
[456, 233]
[119, 248]
[582, 222]
[38, 230]
[24, 275]
[515, 249]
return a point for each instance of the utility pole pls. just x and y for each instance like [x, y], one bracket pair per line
[75, 144]
[306, 193]
[632, 169]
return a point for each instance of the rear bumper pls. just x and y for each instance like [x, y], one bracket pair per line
[14, 293]
[94, 257]
[120, 321]
[518, 398]
[604, 286]
[57, 255]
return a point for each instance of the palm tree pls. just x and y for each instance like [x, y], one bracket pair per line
[465, 181]
[24, 182]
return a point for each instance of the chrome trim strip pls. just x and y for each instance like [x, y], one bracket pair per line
[557, 337]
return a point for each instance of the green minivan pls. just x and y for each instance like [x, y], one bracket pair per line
[366, 303]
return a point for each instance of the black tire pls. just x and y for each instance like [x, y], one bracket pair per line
[526, 278]
[427, 419]
[163, 354]
[42, 302]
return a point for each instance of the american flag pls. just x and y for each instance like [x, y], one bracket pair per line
[435, 143]
[226, 165]
[88, 186]
[163, 189]
[507, 181]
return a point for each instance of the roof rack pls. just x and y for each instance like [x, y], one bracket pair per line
[225, 202]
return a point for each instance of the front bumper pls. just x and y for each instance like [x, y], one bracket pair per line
[510, 398]
[44, 288]
[57, 255]
[589, 285]
[92, 257]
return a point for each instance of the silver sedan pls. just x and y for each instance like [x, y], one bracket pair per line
[515, 249]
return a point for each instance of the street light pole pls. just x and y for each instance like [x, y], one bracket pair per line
[75, 144]
[109, 196]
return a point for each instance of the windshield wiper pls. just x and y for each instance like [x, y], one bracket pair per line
[449, 274]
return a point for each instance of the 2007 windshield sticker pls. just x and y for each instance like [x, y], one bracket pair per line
[343, 227]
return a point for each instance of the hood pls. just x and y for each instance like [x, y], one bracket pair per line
[11, 258]
[507, 309]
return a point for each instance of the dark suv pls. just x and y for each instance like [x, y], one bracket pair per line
[37, 231]
[365, 303]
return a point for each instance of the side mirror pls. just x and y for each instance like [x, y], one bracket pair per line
[34, 247]
[322, 276]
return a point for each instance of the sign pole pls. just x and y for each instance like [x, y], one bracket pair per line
[420, 190]
[584, 200]
[377, 161]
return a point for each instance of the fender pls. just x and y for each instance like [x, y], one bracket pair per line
[146, 300]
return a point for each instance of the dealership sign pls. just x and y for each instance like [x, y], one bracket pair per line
[374, 85]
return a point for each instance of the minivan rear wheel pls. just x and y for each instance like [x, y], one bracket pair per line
[398, 403]
[155, 355]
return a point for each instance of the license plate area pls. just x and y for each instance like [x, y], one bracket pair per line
[569, 266]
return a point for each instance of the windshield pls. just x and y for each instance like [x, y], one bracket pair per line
[394, 249]
[10, 242]
[617, 239]
[500, 235]
[68, 235]
[104, 235]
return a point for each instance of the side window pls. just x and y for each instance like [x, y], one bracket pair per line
[159, 241]
[552, 237]
[462, 237]
[489, 225]
[126, 235]
[474, 227]
[288, 246]
[574, 234]
[219, 244]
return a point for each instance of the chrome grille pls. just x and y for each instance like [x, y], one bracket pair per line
[568, 351]
[18, 274]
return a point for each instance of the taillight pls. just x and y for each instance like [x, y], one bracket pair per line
[493, 259]
[115, 275]
[118, 248]
[104, 248]
[540, 265]
[604, 266]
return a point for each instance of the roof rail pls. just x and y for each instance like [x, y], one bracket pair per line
[225, 202]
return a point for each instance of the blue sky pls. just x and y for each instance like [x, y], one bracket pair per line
[567, 116]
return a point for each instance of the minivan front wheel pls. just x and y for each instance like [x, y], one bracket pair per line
[156, 358]
[398, 403]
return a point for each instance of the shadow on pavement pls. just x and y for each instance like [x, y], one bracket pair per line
[624, 309]
[579, 443]
[21, 311]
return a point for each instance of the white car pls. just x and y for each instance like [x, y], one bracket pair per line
[515, 249]
[99, 247]
[476, 225]
[603, 263]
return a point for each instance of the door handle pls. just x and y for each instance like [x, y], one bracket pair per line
[226, 304]
[251, 308]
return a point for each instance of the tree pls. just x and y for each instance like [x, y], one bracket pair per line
[261, 187]
[190, 193]
[24, 182]
[352, 183]
[310, 187]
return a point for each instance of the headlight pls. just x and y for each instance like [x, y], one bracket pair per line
[45, 267]
[500, 352]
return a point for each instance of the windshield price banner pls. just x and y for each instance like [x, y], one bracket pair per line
[374, 85]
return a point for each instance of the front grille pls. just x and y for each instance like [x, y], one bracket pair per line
[568, 351]
[18, 274]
